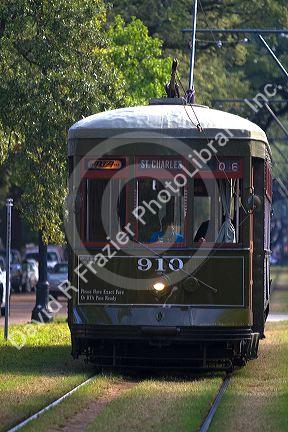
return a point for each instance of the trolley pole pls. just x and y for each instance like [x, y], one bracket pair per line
[9, 205]
[190, 94]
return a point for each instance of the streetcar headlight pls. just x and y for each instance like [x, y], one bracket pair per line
[159, 286]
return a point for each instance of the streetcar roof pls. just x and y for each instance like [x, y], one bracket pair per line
[172, 120]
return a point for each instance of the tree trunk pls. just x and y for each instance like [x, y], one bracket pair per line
[40, 312]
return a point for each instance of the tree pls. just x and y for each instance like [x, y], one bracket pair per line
[55, 65]
[55, 60]
[138, 60]
[240, 68]
[166, 18]
[50, 79]
[235, 69]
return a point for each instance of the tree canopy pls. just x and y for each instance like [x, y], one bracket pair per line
[55, 64]
[138, 60]
[227, 66]
[238, 66]
[62, 60]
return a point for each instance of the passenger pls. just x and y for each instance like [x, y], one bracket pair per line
[167, 233]
[201, 234]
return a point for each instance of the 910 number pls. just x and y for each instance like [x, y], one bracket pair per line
[174, 264]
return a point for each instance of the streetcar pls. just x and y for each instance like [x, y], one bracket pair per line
[169, 222]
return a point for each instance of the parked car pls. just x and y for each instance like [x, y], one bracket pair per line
[54, 255]
[57, 276]
[2, 285]
[30, 275]
[15, 268]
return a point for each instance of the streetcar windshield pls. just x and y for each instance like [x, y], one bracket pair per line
[205, 208]
[105, 209]
[216, 210]
[164, 219]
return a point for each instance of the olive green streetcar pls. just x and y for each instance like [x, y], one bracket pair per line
[169, 220]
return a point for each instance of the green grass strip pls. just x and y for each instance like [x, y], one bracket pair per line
[39, 373]
[257, 398]
[159, 405]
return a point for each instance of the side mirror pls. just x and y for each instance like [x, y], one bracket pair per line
[253, 203]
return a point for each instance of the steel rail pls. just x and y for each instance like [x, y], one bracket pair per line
[207, 421]
[51, 405]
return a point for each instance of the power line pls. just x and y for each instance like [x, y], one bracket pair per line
[282, 32]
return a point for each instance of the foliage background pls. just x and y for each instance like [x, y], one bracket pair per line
[65, 59]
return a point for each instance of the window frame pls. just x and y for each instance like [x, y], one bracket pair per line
[161, 174]
[94, 175]
[209, 244]
[211, 174]
[131, 193]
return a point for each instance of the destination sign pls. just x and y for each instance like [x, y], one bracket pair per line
[104, 164]
[228, 166]
[151, 164]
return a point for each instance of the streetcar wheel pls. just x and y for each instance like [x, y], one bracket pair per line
[240, 361]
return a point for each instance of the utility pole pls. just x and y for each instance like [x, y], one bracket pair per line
[9, 205]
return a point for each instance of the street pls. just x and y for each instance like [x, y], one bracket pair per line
[21, 307]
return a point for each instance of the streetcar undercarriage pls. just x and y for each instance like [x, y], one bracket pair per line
[167, 348]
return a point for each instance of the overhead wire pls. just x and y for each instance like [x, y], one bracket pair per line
[201, 129]
[220, 42]
[207, 21]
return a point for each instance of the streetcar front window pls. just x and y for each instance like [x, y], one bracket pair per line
[105, 209]
[162, 206]
[164, 219]
[216, 210]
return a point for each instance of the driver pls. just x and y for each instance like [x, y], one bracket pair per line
[167, 233]
[201, 234]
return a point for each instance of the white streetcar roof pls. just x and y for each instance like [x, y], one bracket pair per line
[172, 120]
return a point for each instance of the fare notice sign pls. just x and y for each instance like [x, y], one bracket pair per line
[92, 290]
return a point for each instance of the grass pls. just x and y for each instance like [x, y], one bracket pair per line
[279, 276]
[162, 406]
[43, 370]
[62, 413]
[257, 397]
[279, 301]
[279, 297]
[39, 373]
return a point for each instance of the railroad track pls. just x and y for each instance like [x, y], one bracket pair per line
[207, 421]
[204, 427]
[50, 406]
[114, 390]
